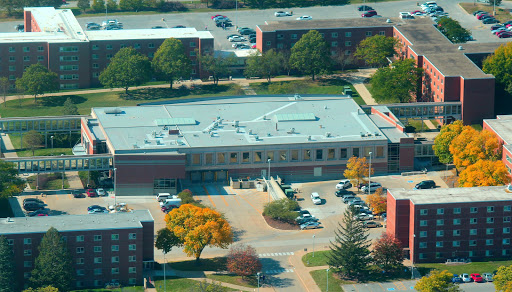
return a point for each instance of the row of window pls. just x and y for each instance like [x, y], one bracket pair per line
[99, 283]
[334, 35]
[26, 49]
[99, 271]
[457, 243]
[488, 253]
[79, 238]
[457, 232]
[135, 46]
[458, 221]
[284, 155]
[98, 248]
[25, 58]
[113, 260]
[473, 210]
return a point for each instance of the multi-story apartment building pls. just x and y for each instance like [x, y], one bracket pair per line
[437, 225]
[54, 38]
[502, 128]
[104, 247]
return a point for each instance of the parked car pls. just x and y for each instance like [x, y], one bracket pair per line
[373, 186]
[92, 207]
[344, 184]
[19, 27]
[244, 47]
[232, 35]
[347, 199]
[506, 34]
[310, 225]
[315, 197]
[478, 11]
[490, 20]
[456, 279]
[371, 224]
[101, 192]
[466, 278]
[484, 16]
[477, 278]
[40, 212]
[238, 45]
[364, 8]
[304, 219]
[303, 212]
[157, 27]
[405, 15]
[91, 193]
[242, 28]
[282, 13]
[223, 23]
[363, 217]
[495, 31]
[487, 277]
[78, 194]
[370, 13]
[32, 206]
[356, 201]
[304, 17]
[496, 26]
[33, 200]
[342, 193]
[217, 15]
[179, 26]
[426, 184]
[247, 31]
[237, 39]
[221, 18]
[98, 211]
[417, 13]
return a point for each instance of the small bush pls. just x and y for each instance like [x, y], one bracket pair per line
[224, 4]
[168, 6]
[282, 210]
[186, 197]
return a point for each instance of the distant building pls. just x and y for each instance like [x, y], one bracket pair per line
[104, 247]
[438, 225]
[502, 127]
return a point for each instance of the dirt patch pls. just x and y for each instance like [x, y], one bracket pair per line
[280, 225]
[452, 181]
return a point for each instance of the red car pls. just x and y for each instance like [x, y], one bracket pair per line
[477, 278]
[482, 15]
[216, 15]
[91, 193]
[369, 13]
[505, 35]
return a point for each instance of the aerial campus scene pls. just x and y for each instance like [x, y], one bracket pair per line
[278, 145]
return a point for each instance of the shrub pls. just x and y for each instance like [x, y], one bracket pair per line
[282, 210]
[186, 197]
[287, 87]
[167, 6]
[224, 4]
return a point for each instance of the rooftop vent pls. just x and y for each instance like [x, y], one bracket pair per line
[460, 48]
[256, 137]
[237, 123]
[8, 220]
[292, 131]
[309, 138]
[114, 110]
[388, 20]
[328, 134]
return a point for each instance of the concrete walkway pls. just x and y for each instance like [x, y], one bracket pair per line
[303, 272]
[357, 79]
[247, 89]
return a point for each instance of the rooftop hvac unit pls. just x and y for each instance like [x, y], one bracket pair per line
[114, 110]
[328, 134]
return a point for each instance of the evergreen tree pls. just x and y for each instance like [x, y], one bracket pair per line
[70, 108]
[7, 269]
[349, 254]
[53, 264]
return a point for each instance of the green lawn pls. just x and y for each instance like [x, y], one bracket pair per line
[53, 105]
[176, 284]
[474, 267]
[251, 282]
[320, 258]
[501, 14]
[5, 209]
[52, 181]
[124, 289]
[320, 277]
[211, 264]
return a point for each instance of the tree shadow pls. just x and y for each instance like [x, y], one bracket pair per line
[237, 234]
[176, 92]
[52, 101]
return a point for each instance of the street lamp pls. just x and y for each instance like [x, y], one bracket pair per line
[236, 13]
[163, 19]
[370, 174]
[51, 138]
[268, 160]
[327, 272]
[258, 274]
[115, 193]
[165, 284]
[313, 245]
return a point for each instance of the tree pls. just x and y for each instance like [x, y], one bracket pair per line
[98, 5]
[310, 55]
[243, 260]
[387, 253]
[33, 140]
[349, 254]
[452, 29]
[170, 61]
[42, 289]
[217, 66]
[7, 267]
[265, 65]
[4, 88]
[471, 145]
[437, 282]
[10, 183]
[342, 60]
[398, 83]
[198, 227]
[11, 6]
[444, 139]
[134, 5]
[50, 3]
[166, 240]
[377, 201]
[37, 80]
[70, 108]
[53, 265]
[503, 279]
[375, 50]
[357, 169]
[111, 5]
[484, 173]
[127, 68]
[282, 210]
[499, 64]
[84, 4]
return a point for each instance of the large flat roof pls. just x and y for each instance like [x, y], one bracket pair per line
[326, 23]
[502, 126]
[236, 121]
[452, 195]
[68, 223]
[130, 34]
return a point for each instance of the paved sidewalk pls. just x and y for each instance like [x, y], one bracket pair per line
[357, 79]
[303, 272]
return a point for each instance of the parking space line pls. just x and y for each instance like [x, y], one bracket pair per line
[355, 287]
[208, 194]
[221, 195]
[400, 285]
[382, 287]
[257, 210]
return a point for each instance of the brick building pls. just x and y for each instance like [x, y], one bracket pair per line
[437, 225]
[450, 70]
[502, 127]
[54, 38]
[103, 247]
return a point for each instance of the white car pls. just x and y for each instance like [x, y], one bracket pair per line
[465, 278]
[101, 192]
[406, 15]
[343, 184]
[304, 17]
[373, 187]
[282, 13]
[315, 197]
[236, 39]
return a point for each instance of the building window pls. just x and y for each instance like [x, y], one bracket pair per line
[115, 271]
[12, 59]
[109, 47]
[382, 33]
[132, 270]
[282, 155]
[422, 256]
[472, 242]
[115, 259]
[132, 247]
[95, 74]
[98, 260]
[115, 248]
[95, 65]
[490, 219]
[506, 219]
[196, 159]
[68, 49]
[80, 261]
[27, 241]
[440, 211]
[79, 238]
[221, 158]
[439, 255]
[347, 53]
[10, 241]
[122, 46]
[280, 36]
[334, 35]
[348, 43]
[456, 243]
[12, 68]
[79, 250]
[505, 252]
[132, 281]
[368, 33]
[355, 152]
[12, 49]
[293, 36]
[319, 154]
[489, 230]
[380, 152]
[473, 221]
[27, 264]
[423, 234]
[208, 158]
[151, 55]
[506, 230]
[270, 155]
[307, 155]
[258, 156]
[137, 46]
[69, 77]
[456, 221]
[423, 222]
[489, 241]
[97, 248]
[423, 212]
[79, 283]
[456, 232]
[456, 210]
[97, 271]
[233, 157]
[40, 49]
[507, 208]
[440, 222]
[95, 47]
[114, 237]
[26, 58]
[334, 44]
[71, 58]
[95, 56]
[473, 232]
[473, 210]
[69, 67]
[109, 56]
[151, 45]
[280, 45]
[132, 258]
[348, 34]
[269, 43]
[440, 233]
[294, 155]
[132, 236]
[506, 241]
[343, 153]
[80, 272]
[423, 245]
[490, 209]
[40, 58]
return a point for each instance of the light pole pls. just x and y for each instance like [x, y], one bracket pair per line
[236, 13]
[51, 138]
[115, 193]
[268, 160]
[165, 284]
[313, 245]
[327, 272]
[258, 274]
[370, 174]
[163, 19]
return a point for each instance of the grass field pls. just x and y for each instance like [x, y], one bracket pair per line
[48, 181]
[474, 267]
[501, 14]
[176, 284]
[320, 277]
[320, 258]
[251, 282]
[22, 152]
[5, 209]
[211, 264]
[124, 289]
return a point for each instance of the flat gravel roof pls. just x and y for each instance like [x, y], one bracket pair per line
[452, 195]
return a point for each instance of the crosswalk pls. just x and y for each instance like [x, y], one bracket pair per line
[277, 254]
[277, 271]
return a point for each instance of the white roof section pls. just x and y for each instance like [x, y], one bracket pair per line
[134, 34]
[54, 20]
[452, 195]
[68, 223]
[236, 121]
[502, 126]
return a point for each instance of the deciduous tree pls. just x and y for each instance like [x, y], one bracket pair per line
[387, 253]
[127, 68]
[98, 5]
[437, 282]
[310, 55]
[84, 4]
[10, 183]
[37, 80]
[377, 201]
[349, 254]
[499, 64]
[503, 279]
[282, 210]
[12, 7]
[33, 140]
[398, 83]
[471, 145]
[243, 260]
[42, 289]
[484, 173]
[217, 66]
[166, 240]
[357, 169]
[452, 29]
[4, 88]
[170, 61]
[265, 65]
[7, 267]
[70, 107]
[197, 228]
[111, 5]
[376, 49]
[53, 265]
[444, 139]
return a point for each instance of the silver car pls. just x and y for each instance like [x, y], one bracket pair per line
[310, 225]
[487, 277]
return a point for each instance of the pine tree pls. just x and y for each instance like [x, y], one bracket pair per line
[70, 108]
[53, 264]
[349, 254]
[7, 269]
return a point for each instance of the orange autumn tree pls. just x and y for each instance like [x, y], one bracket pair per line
[471, 146]
[484, 173]
[357, 169]
[197, 228]
[377, 201]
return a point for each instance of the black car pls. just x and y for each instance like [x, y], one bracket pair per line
[343, 192]
[78, 194]
[426, 184]
[364, 8]
[90, 208]
[179, 26]
[19, 27]
[225, 23]
[157, 27]
[31, 206]
[252, 40]
[40, 212]
[490, 20]
[247, 32]
[33, 200]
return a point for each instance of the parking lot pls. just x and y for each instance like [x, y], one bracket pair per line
[409, 286]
